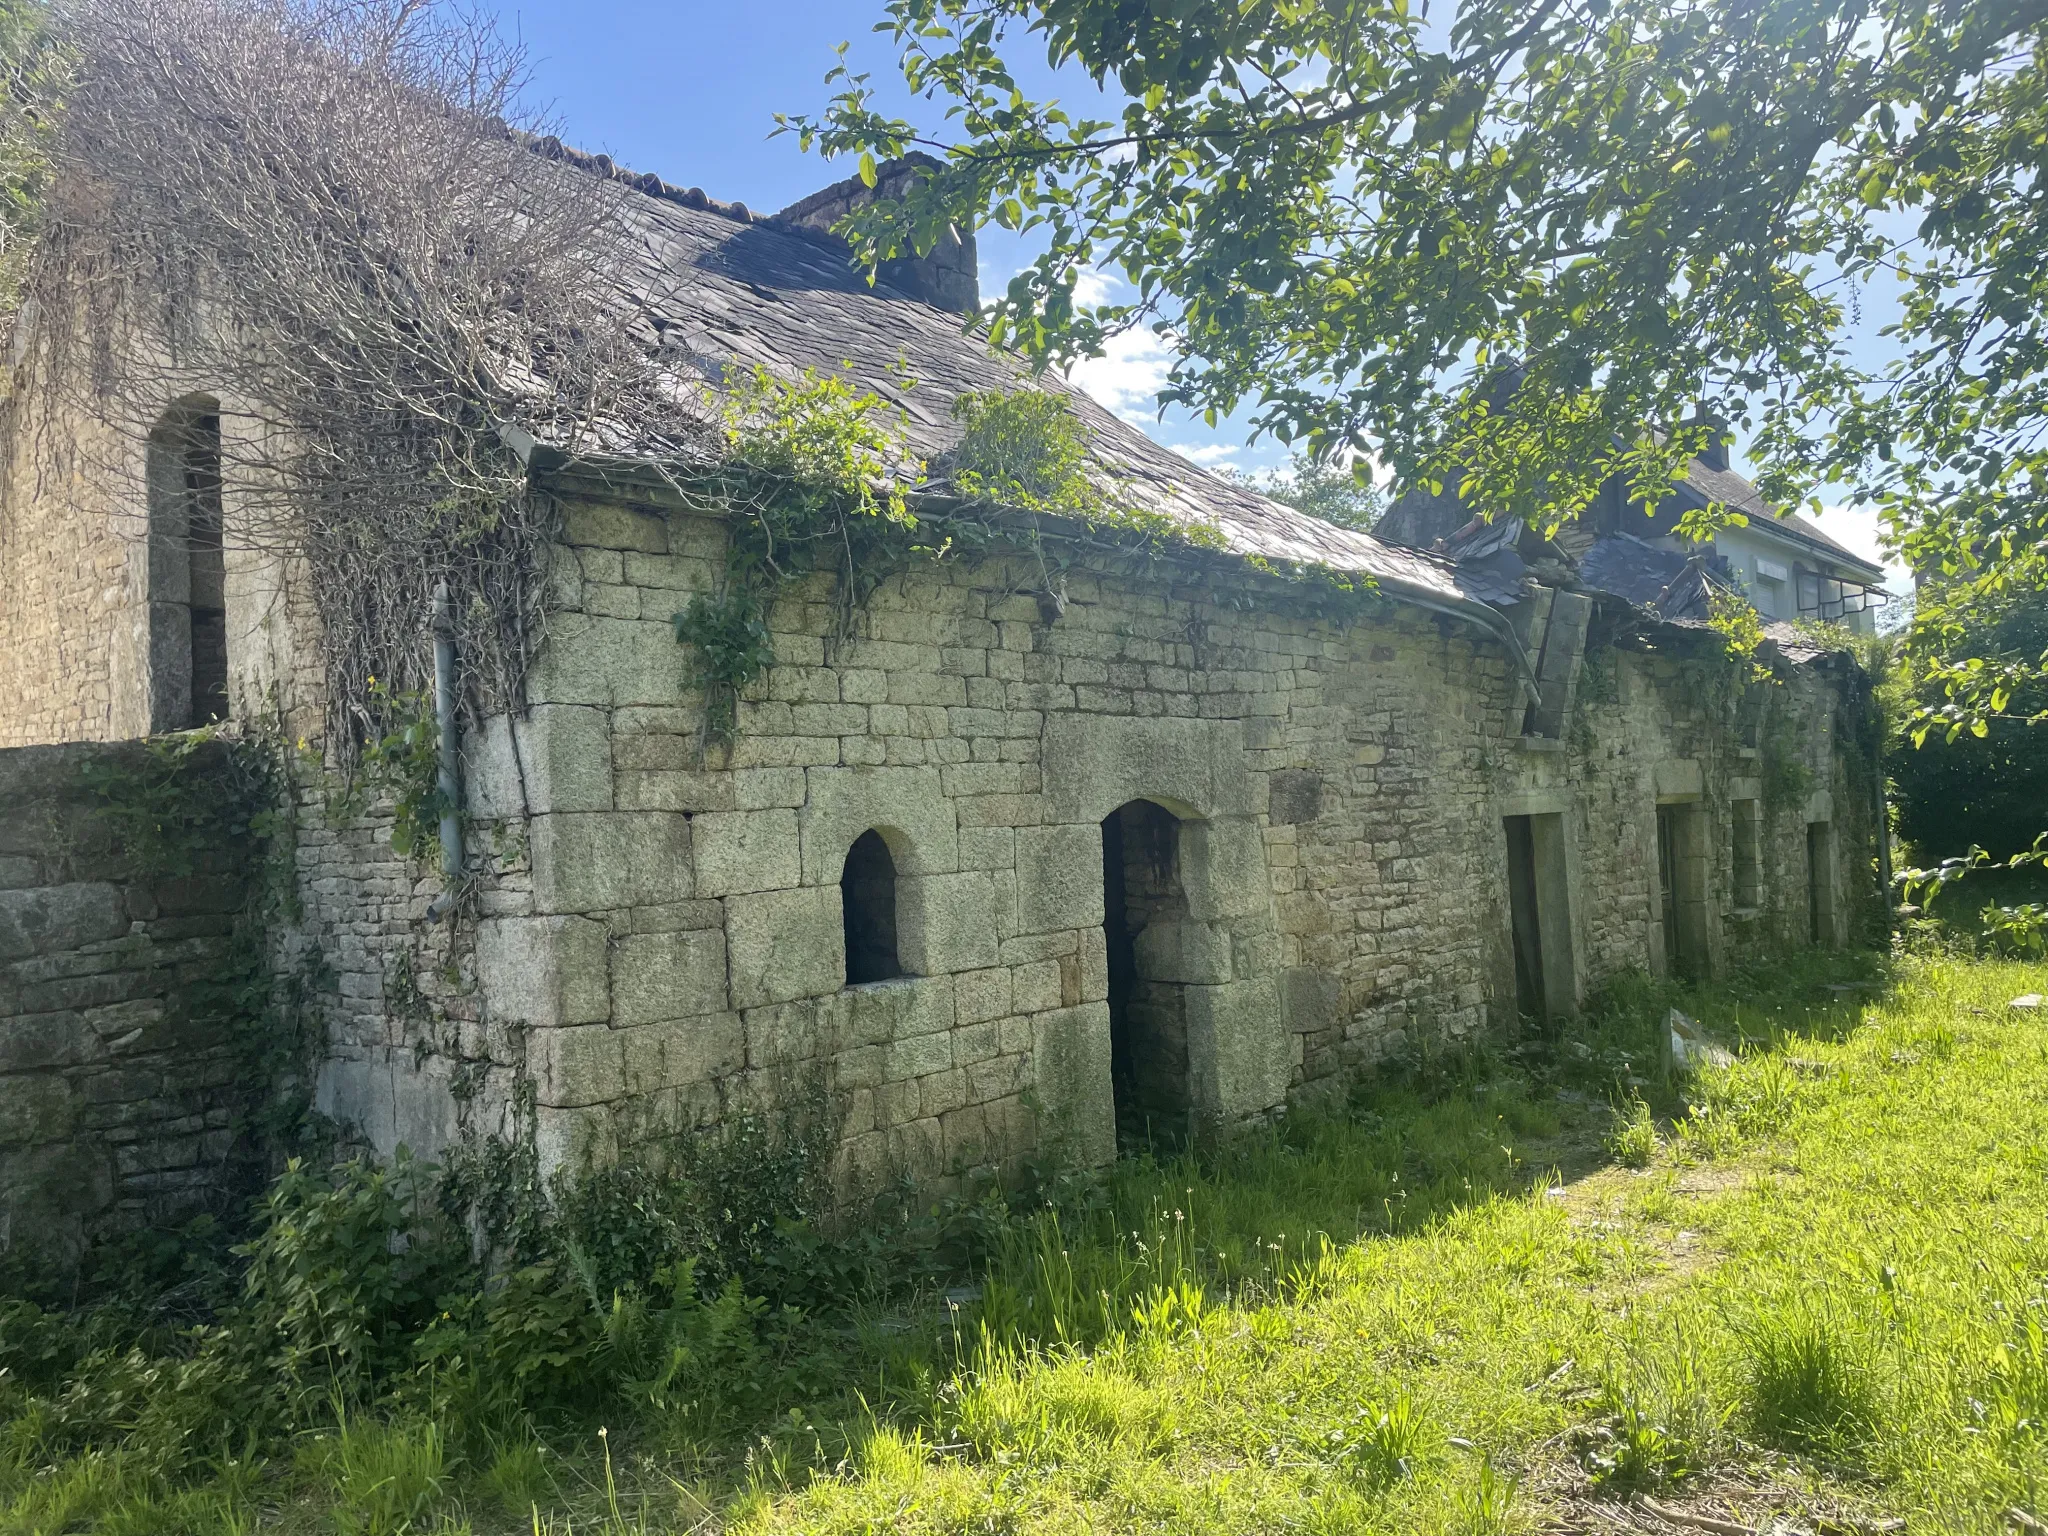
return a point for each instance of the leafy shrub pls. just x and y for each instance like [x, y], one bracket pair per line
[2020, 931]
[346, 1269]
[676, 1354]
[496, 1352]
[1026, 449]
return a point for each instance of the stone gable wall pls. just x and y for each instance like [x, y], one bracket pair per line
[70, 651]
[657, 927]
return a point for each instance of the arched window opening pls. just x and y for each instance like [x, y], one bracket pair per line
[1148, 1030]
[188, 629]
[867, 896]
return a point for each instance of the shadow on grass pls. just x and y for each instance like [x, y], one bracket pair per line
[720, 1378]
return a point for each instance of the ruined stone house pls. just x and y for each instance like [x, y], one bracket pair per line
[1012, 872]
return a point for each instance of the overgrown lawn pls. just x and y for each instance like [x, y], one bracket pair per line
[1497, 1289]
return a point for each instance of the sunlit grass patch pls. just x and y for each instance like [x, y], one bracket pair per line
[1465, 1294]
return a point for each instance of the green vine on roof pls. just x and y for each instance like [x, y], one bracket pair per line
[813, 481]
[1741, 630]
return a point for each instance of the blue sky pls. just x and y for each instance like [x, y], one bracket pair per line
[690, 89]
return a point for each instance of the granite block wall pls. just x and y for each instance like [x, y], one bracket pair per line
[659, 928]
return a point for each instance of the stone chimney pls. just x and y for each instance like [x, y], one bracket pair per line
[1715, 454]
[945, 277]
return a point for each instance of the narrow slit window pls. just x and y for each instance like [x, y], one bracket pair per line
[1747, 866]
[867, 895]
[188, 630]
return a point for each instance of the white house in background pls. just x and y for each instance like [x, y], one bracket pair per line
[1790, 569]
[1784, 564]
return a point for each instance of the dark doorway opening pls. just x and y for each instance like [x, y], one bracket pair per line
[1539, 915]
[1142, 903]
[867, 898]
[1820, 884]
[1667, 884]
[1522, 914]
[1682, 888]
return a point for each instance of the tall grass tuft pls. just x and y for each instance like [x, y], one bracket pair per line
[1805, 1386]
[1633, 1139]
[1665, 1419]
[387, 1478]
[1385, 1444]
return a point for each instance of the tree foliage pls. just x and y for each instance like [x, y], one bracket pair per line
[1333, 492]
[1981, 782]
[1521, 247]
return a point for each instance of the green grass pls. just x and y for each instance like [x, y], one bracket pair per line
[1468, 1300]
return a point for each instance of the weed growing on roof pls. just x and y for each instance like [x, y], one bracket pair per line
[1024, 449]
[1741, 630]
[812, 483]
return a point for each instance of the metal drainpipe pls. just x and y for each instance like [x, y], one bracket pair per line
[1488, 619]
[450, 780]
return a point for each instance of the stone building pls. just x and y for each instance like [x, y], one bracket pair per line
[1018, 868]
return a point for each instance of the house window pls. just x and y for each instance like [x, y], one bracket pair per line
[867, 897]
[1748, 873]
[188, 628]
[1770, 588]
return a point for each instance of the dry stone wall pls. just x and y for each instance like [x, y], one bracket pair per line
[124, 1092]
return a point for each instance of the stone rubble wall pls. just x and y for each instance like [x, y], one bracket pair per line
[122, 1095]
[658, 943]
[651, 940]
[71, 636]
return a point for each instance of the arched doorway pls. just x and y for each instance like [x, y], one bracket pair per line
[1144, 906]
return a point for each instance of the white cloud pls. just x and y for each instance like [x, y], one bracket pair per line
[1208, 455]
[1095, 286]
[1128, 376]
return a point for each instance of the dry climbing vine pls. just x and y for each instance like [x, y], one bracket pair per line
[328, 216]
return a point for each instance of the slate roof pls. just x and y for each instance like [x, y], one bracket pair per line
[1737, 493]
[712, 285]
[1633, 570]
[1421, 520]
